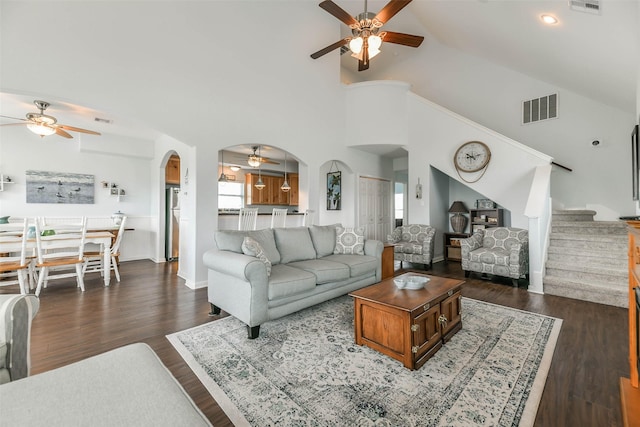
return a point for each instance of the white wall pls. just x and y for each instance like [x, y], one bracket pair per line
[21, 150]
[492, 96]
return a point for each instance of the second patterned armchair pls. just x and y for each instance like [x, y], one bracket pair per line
[413, 243]
[502, 251]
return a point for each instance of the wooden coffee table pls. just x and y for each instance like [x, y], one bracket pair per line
[408, 325]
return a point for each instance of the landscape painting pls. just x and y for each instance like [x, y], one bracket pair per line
[59, 187]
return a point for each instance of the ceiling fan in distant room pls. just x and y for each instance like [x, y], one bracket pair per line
[254, 160]
[44, 125]
[367, 36]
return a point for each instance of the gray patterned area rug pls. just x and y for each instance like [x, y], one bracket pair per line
[306, 370]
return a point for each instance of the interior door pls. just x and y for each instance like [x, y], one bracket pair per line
[375, 207]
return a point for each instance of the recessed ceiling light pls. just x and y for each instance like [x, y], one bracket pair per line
[549, 19]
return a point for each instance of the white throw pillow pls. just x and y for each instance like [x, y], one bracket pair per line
[349, 240]
[252, 248]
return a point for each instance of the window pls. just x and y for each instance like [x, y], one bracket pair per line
[399, 200]
[230, 195]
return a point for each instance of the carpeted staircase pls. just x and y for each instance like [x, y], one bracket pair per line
[587, 259]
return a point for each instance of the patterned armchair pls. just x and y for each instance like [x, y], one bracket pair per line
[413, 243]
[502, 251]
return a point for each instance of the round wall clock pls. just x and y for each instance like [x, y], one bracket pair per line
[472, 156]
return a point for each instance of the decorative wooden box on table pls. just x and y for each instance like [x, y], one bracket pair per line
[629, 391]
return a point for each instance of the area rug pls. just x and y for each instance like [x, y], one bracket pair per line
[306, 370]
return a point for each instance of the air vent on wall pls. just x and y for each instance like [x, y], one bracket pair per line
[538, 109]
[589, 6]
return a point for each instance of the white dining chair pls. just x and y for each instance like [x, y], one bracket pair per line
[247, 219]
[94, 261]
[308, 219]
[14, 262]
[279, 218]
[61, 248]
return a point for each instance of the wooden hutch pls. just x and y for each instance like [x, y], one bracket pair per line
[629, 391]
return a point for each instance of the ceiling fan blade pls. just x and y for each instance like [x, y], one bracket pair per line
[14, 118]
[15, 124]
[393, 7]
[331, 47]
[75, 129]
[401, 38]
[62, 133]
[338, 12]
[265, 160]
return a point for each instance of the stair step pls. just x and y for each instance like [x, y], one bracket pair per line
[573, 215]
[586, 291]
[607, 277]
[615, 253]
[581, 260]
[590, 242]
[593, 227]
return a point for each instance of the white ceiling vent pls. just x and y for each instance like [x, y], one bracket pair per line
[589, 6]
[538, 109]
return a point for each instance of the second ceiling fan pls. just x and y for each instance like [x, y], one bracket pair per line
[365, 28]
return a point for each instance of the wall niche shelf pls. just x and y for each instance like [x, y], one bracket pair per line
[4, 179]
[486, 218]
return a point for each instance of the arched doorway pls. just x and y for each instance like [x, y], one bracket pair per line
[172, 209]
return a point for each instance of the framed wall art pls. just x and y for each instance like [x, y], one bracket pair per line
[59, 187]
[334, 190]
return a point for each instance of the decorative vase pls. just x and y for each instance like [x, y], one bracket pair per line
[458, 222]
[117, 218]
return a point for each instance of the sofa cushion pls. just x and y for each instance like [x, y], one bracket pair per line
[252, 248]
[325, 271]
[286, 281]
[495, 256]
[231, 240]
[349, 240]
[294, 244]
[323, 238]
[408, 248]
[358, 264]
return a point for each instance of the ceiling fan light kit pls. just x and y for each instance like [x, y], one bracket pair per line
[365, 28]
[44, 125]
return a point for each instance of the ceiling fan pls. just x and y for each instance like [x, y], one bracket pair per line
[367, 37]
[255, 160]
[43, 124]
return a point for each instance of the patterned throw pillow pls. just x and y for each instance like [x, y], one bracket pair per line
[252, 248]
[349, 240]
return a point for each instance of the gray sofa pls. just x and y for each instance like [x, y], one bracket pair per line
[292, 269]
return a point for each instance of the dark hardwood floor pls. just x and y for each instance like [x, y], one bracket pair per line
[151, 302]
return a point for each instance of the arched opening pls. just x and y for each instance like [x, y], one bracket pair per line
[172, 208]
[240, 167]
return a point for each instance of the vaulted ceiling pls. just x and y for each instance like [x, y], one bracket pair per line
[595, 55]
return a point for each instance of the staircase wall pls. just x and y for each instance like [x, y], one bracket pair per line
[432, 134]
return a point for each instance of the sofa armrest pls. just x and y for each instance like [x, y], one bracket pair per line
[241, 266]
[395, 236]
[519, 253]
[16, 314]
[373, 247]
[472, 243]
